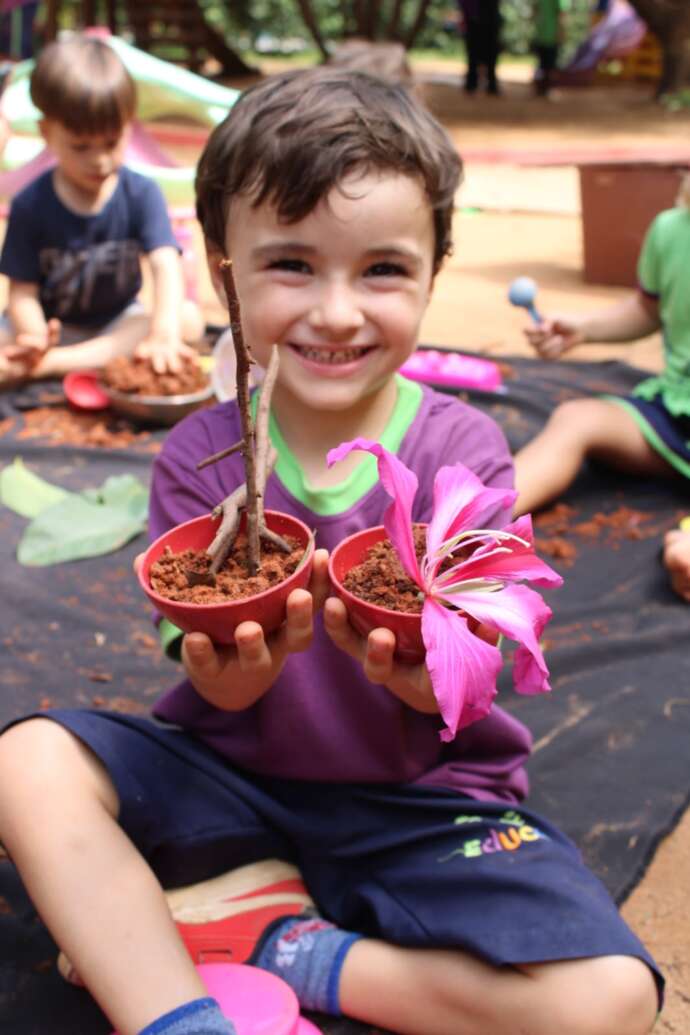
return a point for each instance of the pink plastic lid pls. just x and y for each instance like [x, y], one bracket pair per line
[257, 1002]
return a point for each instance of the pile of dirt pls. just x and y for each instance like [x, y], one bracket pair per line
[559, 522]
[134, 375]
[168, 575]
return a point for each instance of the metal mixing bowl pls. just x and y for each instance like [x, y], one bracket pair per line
[164, 410]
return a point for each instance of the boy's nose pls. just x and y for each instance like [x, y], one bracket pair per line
[337, 311]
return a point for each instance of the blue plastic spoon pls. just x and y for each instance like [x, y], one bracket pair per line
[522, 292]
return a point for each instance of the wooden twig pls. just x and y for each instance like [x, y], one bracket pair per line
[258, 456]
[231, 511]
[244, 362]
[220, 455]
[266, 455]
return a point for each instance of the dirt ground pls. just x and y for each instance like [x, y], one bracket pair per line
[526, 220]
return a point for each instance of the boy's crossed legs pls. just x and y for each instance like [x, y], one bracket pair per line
[106, 909]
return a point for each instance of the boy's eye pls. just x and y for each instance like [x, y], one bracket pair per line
[386, 269]
[289, 265]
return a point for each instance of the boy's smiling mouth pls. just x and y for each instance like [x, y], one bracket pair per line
[331, 356]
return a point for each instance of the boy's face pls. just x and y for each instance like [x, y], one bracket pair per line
[87, 161]
[342, 292]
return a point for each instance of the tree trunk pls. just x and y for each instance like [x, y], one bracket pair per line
[675, 64]
[417, 23]
[312, 25]
[669, 20]
[230, 60]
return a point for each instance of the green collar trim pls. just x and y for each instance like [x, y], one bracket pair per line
[339, 498]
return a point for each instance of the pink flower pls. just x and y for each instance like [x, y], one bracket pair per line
[463, 668]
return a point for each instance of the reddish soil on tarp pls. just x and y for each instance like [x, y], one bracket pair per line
[135, 376]
[61, 425]
[168, 574]
[559, 521]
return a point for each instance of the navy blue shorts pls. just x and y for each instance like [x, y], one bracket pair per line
[667, 435]
[415, 866]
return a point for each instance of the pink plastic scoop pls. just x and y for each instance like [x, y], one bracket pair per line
[83, 390]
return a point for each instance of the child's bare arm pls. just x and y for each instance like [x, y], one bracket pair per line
[164, 344]
[234, 678]
[635, 317]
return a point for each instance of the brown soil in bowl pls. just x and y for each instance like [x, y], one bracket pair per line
[135, 376]
[380, 578]
[168, 574]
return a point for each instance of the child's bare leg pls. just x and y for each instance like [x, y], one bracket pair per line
[441, 992]
[94, 891]
[677, 561]
[122, 340]
[576, 430]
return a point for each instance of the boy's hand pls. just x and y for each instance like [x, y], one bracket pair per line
[554, 336]
[164, 352]
[29, 348]
[410, 683]
[677, 561]
[234, 677]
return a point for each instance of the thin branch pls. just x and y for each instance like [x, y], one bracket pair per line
[220, 455]
[244, 361]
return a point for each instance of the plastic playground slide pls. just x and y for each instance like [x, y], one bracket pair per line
[163, 91]
[619, 32]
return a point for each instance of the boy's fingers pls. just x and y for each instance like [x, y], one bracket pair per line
[378, 660]
[340, 631]
[136, 563]
[252, 652]
[199, 656]
[299, 627]
[319, 585]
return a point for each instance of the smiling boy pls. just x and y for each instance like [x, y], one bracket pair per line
[76, 234]
[332, 194]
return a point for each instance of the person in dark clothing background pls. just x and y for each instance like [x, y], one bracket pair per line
[482, 30]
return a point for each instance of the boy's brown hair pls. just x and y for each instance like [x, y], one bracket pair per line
[81, 83]
[293, 138]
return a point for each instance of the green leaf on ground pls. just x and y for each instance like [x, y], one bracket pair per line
[25, 493]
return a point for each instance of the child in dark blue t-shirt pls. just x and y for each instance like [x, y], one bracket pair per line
[75, 235]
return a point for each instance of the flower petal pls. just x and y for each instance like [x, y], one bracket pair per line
[401, 485]
[460, 500]
[514, 562]
[520, 614]
[462, 667]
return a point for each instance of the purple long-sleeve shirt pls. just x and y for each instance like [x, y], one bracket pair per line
[322, 719]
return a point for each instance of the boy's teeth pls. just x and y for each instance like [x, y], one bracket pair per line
[330, 355]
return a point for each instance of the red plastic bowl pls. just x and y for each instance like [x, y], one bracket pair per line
[219, 621]
[364, 616]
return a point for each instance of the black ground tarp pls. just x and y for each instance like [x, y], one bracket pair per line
[611, 764]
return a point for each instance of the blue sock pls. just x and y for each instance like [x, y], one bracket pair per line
[308, 954]
[200, 1017]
